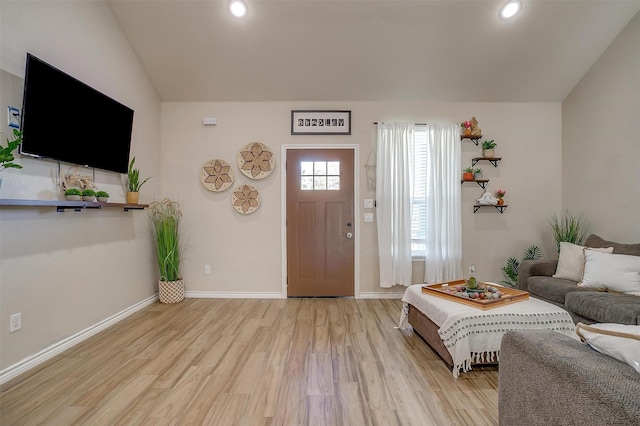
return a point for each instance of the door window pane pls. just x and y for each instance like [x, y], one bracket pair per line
[319, 175]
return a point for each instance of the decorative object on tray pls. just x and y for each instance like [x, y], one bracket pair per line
[102, 196]
[246, 199]
[165, 217]
[480, 295]
[256, 160]
[73, 194]
[216, 175]
[488, 148]
[321, 122]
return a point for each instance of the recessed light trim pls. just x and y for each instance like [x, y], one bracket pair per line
[510, 9]
[238, 8]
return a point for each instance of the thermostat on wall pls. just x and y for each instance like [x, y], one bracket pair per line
[209, 121]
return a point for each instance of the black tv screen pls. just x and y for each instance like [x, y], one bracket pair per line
[66, 120]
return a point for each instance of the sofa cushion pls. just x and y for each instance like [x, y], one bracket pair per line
[617, 272]
[571, 260]
[554, 289]
[605, 307]
[620, 341]
[618, 248]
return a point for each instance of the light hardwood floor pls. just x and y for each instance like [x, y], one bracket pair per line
[253, 362]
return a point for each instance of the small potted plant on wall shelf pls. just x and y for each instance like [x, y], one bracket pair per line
[488, 148]
[467, 174]
[477, 174]
[73, 194]
[88, 195]
[133, 183]
[102, 196]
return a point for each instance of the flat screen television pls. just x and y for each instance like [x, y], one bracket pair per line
[64, 119]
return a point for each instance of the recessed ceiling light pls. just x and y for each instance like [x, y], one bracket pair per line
[238, 8]
[510, 8]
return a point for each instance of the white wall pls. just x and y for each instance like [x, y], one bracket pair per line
[601, 147]
[245, 251]
[66, 272]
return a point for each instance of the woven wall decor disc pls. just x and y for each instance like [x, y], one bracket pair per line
[246, 199]
[256, 160]
[216, 175]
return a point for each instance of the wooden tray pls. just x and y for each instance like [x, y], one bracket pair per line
[447, 291]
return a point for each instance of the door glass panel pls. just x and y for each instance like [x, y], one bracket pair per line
[319, 175]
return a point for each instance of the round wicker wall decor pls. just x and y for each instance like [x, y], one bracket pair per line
[256, 160]
[246, 199]
[216, 175]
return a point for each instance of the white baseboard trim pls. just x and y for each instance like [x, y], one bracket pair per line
[61, 346]
[231, 295]
[381, 295]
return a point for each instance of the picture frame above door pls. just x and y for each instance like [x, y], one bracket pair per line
[320, 122]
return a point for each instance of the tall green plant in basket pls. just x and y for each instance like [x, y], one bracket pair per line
[165, 217]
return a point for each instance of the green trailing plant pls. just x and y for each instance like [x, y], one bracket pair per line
[72, 191]
[6, 153]
[570, 227]
[489, 144]
[510, 270]
[133, 178]
[165, 218]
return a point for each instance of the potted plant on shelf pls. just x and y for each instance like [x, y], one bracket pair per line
[73, 194]
[6, 153]
[133, 183]
[102, 196]
[88, 195]
[488, 148]
[500, 194]
[165, 220]
[467, 173]
[477, 174]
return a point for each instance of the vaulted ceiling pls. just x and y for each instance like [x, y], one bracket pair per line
[369, 50]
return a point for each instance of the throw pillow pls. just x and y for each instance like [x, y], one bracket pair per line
[619, 341]
[617, 272]
[571, 261]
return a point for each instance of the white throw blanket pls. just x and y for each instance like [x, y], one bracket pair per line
[474, 335]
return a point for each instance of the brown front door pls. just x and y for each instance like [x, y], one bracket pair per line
[320, 225]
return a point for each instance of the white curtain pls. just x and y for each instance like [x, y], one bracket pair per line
[393, 202]
[443, 206]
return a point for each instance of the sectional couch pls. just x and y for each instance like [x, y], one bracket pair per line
[585, 304]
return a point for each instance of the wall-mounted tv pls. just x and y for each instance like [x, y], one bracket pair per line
[64, 119]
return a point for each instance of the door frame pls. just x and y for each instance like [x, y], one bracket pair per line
[356, 208]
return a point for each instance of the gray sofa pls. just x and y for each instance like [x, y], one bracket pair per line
[584, 304]
[546, 378]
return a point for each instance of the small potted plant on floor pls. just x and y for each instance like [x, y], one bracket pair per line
[467, 174]
[102, 196]
[133, 183]
[73, 194]
[477, 174]
[165, 220]
[488, 148]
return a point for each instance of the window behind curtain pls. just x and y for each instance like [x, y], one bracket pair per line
[418, 209]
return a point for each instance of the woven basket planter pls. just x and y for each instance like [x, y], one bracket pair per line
[171, 291]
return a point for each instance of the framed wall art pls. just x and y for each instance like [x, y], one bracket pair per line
[320, 122]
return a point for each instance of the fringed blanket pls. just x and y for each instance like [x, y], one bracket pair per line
[473, 335]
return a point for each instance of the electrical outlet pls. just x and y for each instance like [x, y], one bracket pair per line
[15, 322]
[207, 269]
[472, 269]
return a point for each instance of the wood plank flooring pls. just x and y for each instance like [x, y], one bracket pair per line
[253, 362]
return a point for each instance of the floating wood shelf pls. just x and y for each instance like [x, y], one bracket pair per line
[481, 182]
[493, 160]
[474, 139]
[500, 208]
[77, 206]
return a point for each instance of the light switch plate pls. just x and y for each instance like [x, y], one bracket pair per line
[368, 217]
[368, 203]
